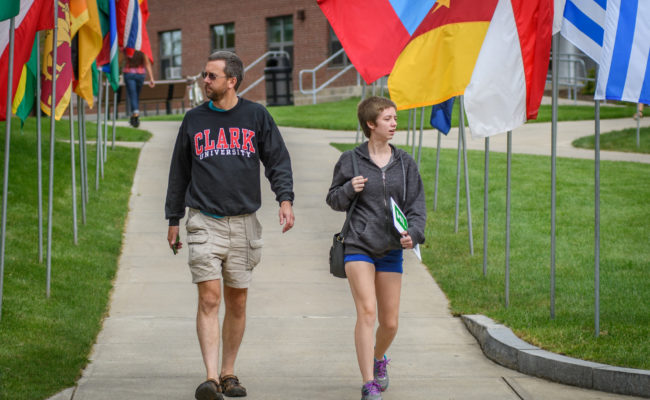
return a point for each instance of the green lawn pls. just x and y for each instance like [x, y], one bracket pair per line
[624, 254]
[45, 343]
[624, 140]
[341, 115]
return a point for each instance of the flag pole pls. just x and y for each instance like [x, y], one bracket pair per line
[39, 155]
[115, 117]
[485, 205]
[435, 185]
[458, 178]
[73, 174]
[421, 133]
[52, 125]
[98, 163]
[5, 184]
[554, 76]
[85, 149]
[461, 124]
[363, 96]
[80, 105]
[105, 142]
[415, 127]
[508, 191]
[597, 222]
[638, 132]
[408, 127]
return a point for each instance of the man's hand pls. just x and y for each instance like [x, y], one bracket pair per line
[286, 215]
[172, 234]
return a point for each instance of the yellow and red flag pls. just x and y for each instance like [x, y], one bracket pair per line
[84, 23]
[63, 74]
[438, 61]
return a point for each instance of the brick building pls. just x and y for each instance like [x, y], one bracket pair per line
[184, 33]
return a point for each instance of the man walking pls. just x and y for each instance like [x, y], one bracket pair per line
[215, 172]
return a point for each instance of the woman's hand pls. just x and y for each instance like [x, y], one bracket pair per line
[358, 183]
[406, 241]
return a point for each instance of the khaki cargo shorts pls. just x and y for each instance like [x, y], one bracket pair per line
[225, 248]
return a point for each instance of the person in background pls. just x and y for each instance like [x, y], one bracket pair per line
[215, 171]
[373, 246]
[133, 70]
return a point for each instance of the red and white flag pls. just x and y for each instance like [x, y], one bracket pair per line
[132, 16]
[34, 15]
[508, 81]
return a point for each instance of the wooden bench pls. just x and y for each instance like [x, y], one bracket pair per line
[165, 92]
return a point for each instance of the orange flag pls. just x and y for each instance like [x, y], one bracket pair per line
[84, 23]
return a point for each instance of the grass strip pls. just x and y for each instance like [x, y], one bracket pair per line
[46, 342]
[624, 253]
[623, 140]
[341, 115]
[62, 130]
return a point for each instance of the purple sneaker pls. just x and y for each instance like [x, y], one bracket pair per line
[381, 376]
[371, 391]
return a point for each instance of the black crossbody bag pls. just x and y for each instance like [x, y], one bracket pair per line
[337, 251]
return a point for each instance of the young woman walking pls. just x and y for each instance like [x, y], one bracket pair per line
[373, 246]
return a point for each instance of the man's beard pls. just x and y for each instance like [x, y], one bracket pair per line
[215, 95]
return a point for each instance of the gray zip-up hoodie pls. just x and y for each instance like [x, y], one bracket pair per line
[371, 224]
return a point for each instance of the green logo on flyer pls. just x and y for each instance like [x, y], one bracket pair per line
[401, 218]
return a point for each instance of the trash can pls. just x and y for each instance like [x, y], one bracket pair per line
[278, 77]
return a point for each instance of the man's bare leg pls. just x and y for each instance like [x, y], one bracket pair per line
[234, 324]
[207, 325]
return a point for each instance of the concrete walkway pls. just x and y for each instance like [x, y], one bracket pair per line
[299, 339]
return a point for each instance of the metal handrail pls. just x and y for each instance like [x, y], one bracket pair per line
[195, 94]
[313, 71]
[273, 53]
[576, 77]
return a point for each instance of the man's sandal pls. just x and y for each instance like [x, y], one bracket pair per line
[209, 390]
[231, 387]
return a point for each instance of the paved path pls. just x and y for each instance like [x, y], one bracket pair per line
[299, 342]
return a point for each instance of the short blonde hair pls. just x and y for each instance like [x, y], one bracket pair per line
[369, 110]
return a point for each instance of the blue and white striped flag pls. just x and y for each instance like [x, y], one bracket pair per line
[624, 73]
[584, 25]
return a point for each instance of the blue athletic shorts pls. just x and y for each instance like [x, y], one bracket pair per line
[391, 262]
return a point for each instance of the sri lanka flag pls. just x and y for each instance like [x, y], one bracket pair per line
[62, 71]
[374, 32]
[437, 63]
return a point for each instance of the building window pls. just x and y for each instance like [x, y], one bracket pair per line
[170, 54]
[280, 34]
[334, 46]
[223, 37]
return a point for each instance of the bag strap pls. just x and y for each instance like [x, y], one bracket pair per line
[355, 169]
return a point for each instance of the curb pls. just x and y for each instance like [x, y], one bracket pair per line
[502, 346]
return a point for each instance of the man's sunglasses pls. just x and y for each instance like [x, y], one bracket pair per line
[211, 75]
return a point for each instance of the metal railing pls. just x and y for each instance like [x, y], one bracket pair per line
[314, 90]
[195, 93]
[274, 53]
[573, 76]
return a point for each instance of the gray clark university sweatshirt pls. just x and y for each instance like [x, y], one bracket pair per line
[215, 166]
